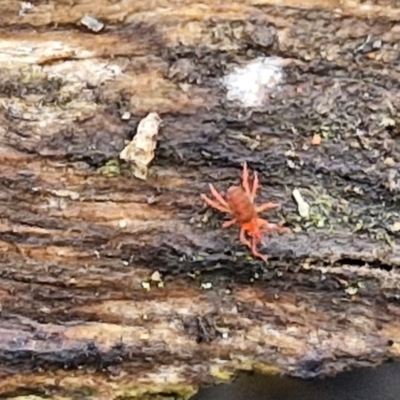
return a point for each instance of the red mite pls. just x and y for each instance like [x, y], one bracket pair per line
[239, 203]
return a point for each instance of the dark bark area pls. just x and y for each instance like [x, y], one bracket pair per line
[81, 238]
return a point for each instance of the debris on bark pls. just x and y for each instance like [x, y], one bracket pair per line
[140, 151]
[302, 206]
[92, 23]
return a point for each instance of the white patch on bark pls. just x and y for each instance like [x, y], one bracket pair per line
[251, 84]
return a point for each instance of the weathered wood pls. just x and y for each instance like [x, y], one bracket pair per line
[81, 238]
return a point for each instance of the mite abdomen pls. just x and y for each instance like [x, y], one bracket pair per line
[240, 204]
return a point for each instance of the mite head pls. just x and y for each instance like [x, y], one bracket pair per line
[256, 229]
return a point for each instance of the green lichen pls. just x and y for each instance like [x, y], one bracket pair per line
[220, 373]
[174, 391]
[111, 168]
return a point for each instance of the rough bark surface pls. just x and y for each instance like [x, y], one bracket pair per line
[81, 238]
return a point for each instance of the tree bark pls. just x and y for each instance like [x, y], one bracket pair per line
[115, 287]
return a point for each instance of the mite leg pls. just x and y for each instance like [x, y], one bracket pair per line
[255, 186]
[266, 206]
[243, 239]
[252, 246]
[221, 206]
[218, 196]
[267, 227]
[214, 204]
[245, 180]
[256, 253]
[229, 223]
